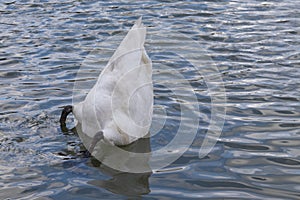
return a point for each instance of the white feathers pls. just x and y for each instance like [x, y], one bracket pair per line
[121, 102]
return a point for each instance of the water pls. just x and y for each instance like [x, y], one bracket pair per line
[254, 44]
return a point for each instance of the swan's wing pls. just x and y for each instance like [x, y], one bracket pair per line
[121, 102]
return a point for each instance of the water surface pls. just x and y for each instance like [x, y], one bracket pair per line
[254, 44]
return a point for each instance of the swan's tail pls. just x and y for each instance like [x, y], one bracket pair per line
[133, 41]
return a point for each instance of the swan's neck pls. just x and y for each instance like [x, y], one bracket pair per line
[65, 112]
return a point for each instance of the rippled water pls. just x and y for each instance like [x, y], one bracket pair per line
[254, 44]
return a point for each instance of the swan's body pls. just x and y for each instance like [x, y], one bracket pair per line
[120, 104]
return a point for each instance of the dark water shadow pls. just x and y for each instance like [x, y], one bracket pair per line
[120, 182]
[124, 183]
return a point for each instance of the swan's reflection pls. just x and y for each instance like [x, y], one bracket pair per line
[125, 183]
[120, 163]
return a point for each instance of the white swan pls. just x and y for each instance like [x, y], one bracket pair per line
[119, 106]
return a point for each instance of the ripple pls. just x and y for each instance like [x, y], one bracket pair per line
[254, 44]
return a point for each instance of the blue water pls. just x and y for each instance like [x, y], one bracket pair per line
[255, 47]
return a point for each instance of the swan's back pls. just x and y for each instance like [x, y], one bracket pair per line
[120, 103]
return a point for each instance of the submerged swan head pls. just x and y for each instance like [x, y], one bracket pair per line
[65, 112]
